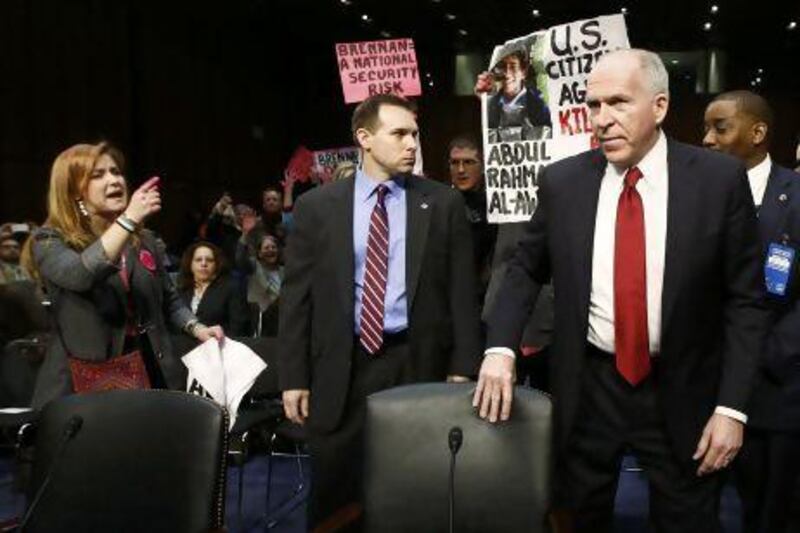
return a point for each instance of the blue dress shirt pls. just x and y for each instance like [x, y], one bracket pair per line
[395, 314]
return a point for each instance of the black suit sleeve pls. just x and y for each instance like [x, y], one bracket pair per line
[238, 316]
[463, 302]
[244, 260]
[295, 301]
[745, 314]
[528, 269]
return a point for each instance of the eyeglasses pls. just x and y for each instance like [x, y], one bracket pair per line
[466, 162]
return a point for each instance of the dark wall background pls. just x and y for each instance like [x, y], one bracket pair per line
[215, 96]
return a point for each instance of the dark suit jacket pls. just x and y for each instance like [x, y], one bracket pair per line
[539, 327]
[316, 332]
[222, 304]
[712, 314]
[775, 403]
[88, 306]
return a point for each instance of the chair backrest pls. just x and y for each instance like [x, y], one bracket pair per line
[21, 311]
[20, 360]
[503, 472]
[141, 461]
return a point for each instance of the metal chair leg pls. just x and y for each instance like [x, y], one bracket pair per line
[240, 493]
[298, 490]
[270, 448]
[240, 496]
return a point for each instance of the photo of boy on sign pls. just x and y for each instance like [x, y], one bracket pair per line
[516, 109]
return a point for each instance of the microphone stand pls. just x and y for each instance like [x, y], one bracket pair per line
[454, 440]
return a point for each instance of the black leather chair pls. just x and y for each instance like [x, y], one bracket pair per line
[20, 360]
[502, 475]
[19, 365]
[23, 341]
[136, 461]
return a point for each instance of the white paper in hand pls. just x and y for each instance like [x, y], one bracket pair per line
[206, 373]
[224, 375]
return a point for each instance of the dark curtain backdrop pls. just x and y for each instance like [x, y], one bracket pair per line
[210, 96]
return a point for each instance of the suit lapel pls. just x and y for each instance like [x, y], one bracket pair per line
[121, 291]
[115, 281]
[341, 219]
[772, 214]
[131, 264]
[418, 213]
[586, 193]
[205, 300]
[680, 223]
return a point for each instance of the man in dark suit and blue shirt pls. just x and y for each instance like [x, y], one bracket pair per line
[379, 291]
[739, 123]
[653, 250]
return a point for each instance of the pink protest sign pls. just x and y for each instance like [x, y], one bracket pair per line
[378, 67]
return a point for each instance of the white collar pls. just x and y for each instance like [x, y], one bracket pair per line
[653, 164]
[761, 171]
[758, 176]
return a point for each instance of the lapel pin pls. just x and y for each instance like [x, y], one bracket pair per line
[783, 197]
[423, 205]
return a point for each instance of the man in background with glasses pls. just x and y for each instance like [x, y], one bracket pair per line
[466, 174]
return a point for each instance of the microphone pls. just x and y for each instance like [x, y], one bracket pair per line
[454, 440]
[71, 428]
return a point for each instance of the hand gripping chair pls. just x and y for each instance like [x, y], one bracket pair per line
[502, 475]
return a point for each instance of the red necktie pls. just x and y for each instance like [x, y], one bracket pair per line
[376, 269]
[630, 285]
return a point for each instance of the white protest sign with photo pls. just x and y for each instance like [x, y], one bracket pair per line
[536, 112]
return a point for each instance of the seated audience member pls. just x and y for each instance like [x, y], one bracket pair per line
[208, 290]
[265, 277]
[740, 123]
[104, 275]
[10, 248]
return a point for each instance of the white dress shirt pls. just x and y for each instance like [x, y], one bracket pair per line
[758, 177]
[653, 188]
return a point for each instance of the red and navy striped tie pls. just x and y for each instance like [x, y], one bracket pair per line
[375, 275]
